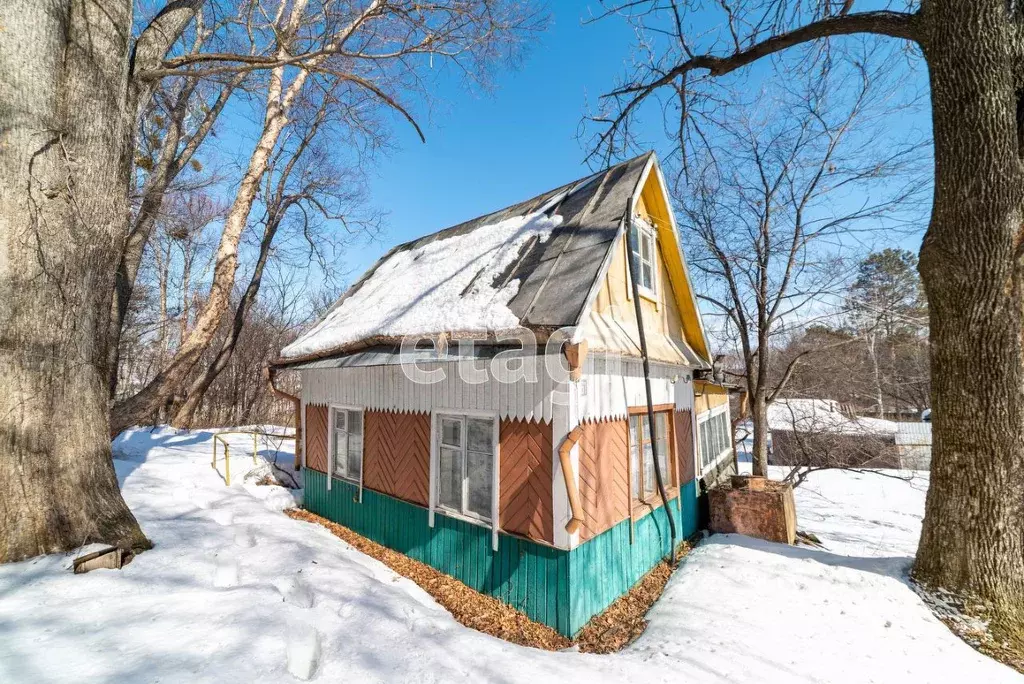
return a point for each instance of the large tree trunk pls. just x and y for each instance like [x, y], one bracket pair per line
[66, 128]
[973, 535]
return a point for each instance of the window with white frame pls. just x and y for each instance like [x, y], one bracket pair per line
[465, 465]
[642, 469]
[347, 443]
[643, 247]
[713, 434]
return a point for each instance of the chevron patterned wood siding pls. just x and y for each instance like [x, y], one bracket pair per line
[397, 454]
[316, 438]
[604, 476]
[525, 502]
[683, 429]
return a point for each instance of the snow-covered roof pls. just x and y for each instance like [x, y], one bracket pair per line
[823, 416]
[532, 265]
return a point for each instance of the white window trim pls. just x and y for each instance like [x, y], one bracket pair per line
[703, 418]
[330, 446]
[435, 458]
[645, 228]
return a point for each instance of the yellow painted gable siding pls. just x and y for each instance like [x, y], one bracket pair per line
[653, 206]
[707, 395]
[611, 325]
[671, 321]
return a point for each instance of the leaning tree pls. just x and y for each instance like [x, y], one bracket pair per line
[972, 258]
[73, 84]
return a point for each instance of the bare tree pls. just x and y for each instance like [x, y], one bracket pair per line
[75, 88]
[312, 51]
[973, 535]
[768, 212]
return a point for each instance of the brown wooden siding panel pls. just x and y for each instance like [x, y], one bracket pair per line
[316, 437]
[604, 476]
[396, 456]
[525, 501]
[684, 445]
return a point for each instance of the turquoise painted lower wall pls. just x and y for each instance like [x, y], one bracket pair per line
[608, 566]
[532, 578]
[562, 589]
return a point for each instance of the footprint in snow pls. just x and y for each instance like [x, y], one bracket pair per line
[295, 592]
[245, 537]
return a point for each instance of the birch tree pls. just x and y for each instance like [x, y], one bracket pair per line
[74, 85]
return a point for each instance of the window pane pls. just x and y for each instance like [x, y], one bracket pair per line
[648, 469]
[481, 435]
[663, 461]
[480, 482]
[451, 432]
[355, 456]
[634, 460]
[647, 429]
[646, 277]
[661, 423]
[355, 423]
[449, 480]
[645, 246]
[339, 420]
[340, 453]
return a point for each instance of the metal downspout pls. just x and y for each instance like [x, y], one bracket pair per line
[633, 268]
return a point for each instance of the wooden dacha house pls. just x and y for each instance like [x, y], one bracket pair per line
[434, 425]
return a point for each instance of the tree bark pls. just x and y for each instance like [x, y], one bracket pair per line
[66, 130]
[279, 103]
[186, 413]
[759, 422]
[972, 540]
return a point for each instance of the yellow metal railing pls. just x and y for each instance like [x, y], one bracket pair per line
[220, 437]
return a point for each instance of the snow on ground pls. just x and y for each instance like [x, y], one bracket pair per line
[234, 591]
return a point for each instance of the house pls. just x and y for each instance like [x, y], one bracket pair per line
[819, 432]
[475, 400]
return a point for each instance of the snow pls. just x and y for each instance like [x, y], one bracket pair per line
[234, 591]
[823, 415]
[444, 285]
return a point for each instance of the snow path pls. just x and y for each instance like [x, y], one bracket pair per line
[234, 591]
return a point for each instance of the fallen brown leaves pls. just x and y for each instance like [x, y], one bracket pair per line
[626, 619]
[472, 609]
[610, 631]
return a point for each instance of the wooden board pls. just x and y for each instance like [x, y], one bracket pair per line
[396, 457]
[604, 476]
[525, 469]
[316, 437]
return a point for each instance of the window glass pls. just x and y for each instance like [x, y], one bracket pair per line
[466, 465]
[481, 435]
[340, 453]
[480, 482]
[449, 480]
[347, 443]
[451, 432]
[649, 482]
[634, 457]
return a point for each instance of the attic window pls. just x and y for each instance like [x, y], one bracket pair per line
[642, 245]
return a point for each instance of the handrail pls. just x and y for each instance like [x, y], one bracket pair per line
[219, 436]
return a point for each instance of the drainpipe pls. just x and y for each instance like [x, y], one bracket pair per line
[269, 374]
[570, 482]
[633, 268]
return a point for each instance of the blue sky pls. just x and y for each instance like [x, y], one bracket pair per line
[485, 151]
